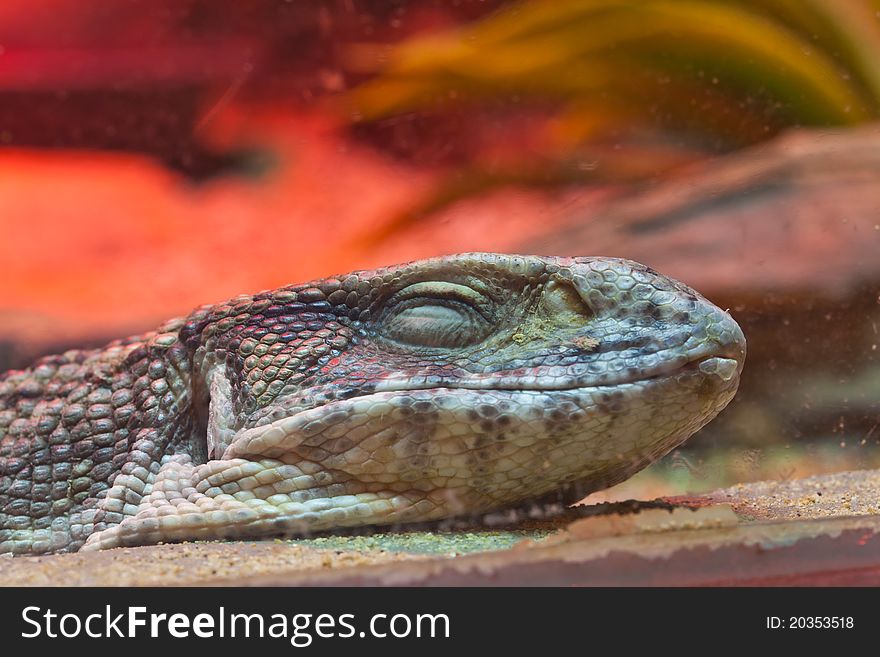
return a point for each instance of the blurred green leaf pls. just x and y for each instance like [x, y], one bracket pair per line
[575, 49]
[726, 72]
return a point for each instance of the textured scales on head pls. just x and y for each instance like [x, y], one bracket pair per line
[437, 388]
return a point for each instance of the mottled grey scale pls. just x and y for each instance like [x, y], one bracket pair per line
[456, 385]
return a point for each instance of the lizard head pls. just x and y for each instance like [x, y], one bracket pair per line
[449, 386]
[466, 382]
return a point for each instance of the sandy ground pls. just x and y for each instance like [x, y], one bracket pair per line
[822, 496]
[181, 565]
[189, 564]
[768, 514]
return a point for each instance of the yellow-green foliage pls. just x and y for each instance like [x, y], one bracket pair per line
[737, 70]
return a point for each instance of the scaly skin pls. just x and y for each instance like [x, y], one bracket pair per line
[450, 386]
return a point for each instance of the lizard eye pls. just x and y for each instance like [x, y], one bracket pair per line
[436, 315]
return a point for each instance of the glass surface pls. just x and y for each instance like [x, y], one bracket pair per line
[159, 155]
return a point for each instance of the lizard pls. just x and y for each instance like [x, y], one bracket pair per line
[438, 388]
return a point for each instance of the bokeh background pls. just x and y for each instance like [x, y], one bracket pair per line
[156, 155]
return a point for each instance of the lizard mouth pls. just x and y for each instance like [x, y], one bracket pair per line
[726, 367]
[282, 435]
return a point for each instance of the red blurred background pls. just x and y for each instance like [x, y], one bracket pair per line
[155, 155]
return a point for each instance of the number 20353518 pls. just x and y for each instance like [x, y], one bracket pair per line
[810, 622]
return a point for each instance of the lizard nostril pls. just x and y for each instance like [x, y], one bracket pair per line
[563, 303]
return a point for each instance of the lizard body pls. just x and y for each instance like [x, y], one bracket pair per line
[450, 386]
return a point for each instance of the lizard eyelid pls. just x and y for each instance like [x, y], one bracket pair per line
[436, 315]
[442, 291]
